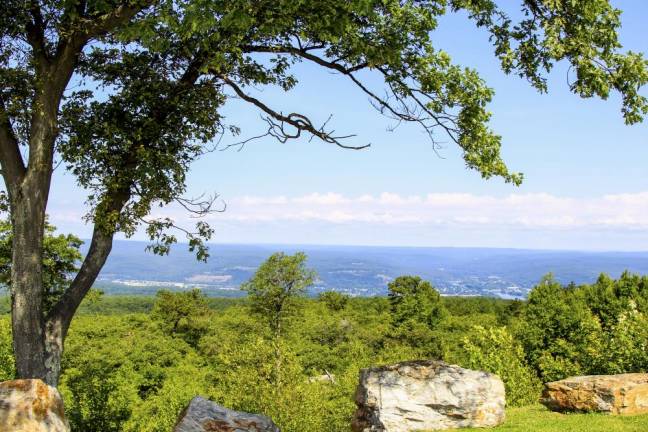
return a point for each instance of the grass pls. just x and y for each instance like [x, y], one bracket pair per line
[538, 418]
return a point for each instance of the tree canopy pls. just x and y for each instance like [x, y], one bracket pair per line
[276, 284]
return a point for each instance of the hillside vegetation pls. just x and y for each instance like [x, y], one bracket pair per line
[132, 363]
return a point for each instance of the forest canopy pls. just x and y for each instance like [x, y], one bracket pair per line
[132, 364]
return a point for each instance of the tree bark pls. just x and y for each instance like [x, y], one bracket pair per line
[26, 283]
[28, 201]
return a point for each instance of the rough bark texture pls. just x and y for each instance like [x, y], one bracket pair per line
[28, 219]
[28, 188]
[60, 317]
[38, 339]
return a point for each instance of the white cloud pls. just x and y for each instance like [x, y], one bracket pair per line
[321, 199]
[514, 220]
[533, 210]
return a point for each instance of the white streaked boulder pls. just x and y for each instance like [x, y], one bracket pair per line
[427, 395]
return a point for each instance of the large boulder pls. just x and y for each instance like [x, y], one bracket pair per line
[30, 405]
[202, 415]
[427, 395]
[611, 394]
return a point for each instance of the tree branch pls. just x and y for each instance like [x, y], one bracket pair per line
[298, 121]
[120, 15]
[304, 53]
[13, 167]
[36, 34]
[101, 243]
[100, 247]
[201, 205]
[416, 111]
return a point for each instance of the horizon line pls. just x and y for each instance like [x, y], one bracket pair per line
[386, 246]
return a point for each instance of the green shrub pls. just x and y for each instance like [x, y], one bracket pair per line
[494, 350]
[7, 365]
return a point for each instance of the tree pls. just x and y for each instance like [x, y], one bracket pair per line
[416, 310]
[560, 335]
[127, 93]
[414, 300]
[276, 284]
[184, 313]
[273, 291]
[587, 329]
[495, 350]
[334, 300]
[609, 299]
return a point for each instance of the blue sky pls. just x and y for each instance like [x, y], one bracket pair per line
[586, 182]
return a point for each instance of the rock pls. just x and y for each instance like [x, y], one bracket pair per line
[611, 394]
[326, 378]
[427, 395]
[30, 405]
[202, 415]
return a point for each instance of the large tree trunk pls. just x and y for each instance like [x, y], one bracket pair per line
[28, 195]
[28, 219]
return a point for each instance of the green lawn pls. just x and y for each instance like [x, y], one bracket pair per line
[538, 418]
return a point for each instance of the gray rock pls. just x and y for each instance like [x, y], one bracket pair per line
[202, 415]
[427, 395]
[30, 405]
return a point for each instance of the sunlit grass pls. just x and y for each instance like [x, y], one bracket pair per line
[538, 418]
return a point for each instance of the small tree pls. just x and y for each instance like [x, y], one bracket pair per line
[273, 291]
[416, 310]
[560, 335]
[495, 350]
[334, 300]
[275, 286]
[414, 299]
[183, 314]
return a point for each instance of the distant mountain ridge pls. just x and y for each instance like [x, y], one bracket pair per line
[362, 270]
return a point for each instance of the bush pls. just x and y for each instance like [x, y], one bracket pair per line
[182, 314]
[7, 365]
[494, 350]
[334, 300]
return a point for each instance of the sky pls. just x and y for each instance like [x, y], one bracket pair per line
[586, 177]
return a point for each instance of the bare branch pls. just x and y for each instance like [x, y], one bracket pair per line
[304, 53]
[395, 106]
[201, 205]
[277, 122]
